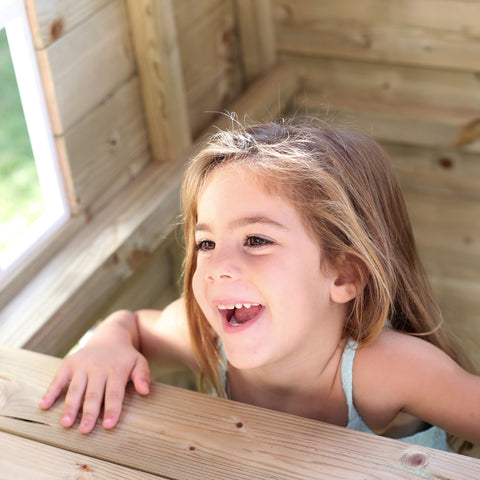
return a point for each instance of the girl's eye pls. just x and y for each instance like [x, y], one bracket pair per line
[254, 241]
[205, 245]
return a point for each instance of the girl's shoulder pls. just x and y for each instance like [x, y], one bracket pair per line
[394, 371]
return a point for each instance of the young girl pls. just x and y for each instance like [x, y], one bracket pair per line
[303, 293]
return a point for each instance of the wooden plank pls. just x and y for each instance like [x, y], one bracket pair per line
[437, 171]
[396, 122]
[445, 222]
[107, 148]
[458, 16]
[211, 67]
[87, 65]
[51, 463]
[155, 41]
[389, 83]
[187, 435]
[257, 36]
[393, 32]
[50, 19]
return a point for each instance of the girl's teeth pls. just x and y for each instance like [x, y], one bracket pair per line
[237, 305]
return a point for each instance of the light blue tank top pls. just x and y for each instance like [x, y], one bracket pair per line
[433, 437]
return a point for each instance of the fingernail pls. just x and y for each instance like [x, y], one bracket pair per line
[108, 422]
[66, 419]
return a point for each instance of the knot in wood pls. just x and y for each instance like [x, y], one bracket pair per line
[414, 458]
[57, 28]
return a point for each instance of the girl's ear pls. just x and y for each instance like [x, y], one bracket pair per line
[348, 282]
[343, 290]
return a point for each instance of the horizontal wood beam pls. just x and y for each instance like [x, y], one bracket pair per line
[399, 122]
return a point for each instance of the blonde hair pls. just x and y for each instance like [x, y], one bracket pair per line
[342, 184]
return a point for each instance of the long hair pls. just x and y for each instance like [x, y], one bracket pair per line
[342, 184]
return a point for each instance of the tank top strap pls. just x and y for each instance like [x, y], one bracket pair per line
[347, 372]
[355, 421]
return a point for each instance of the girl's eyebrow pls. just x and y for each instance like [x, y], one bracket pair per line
[243, 222]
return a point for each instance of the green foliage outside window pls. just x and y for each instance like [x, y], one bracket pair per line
[21, 200]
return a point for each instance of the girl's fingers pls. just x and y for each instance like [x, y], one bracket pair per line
[55, 388]
[114, 394]
[73, 399]
[92, 402]
[141, 376]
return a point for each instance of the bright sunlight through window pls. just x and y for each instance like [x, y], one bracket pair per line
[32, 198]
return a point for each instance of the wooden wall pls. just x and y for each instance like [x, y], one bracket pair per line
[128, 86]
[408, 73]
[132, 83]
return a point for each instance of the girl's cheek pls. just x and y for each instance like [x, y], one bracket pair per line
[198, 287]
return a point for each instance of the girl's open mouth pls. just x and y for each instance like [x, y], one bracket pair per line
[240, 313]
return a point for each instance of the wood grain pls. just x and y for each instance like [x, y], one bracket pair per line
[44, 462]
[186, 435]
[51, 19]
[86, 65]
[257, 36]
[158, 59]
[435, 33]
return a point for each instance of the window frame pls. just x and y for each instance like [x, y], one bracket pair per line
[13, 17]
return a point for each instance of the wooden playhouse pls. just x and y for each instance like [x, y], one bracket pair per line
[132, 85]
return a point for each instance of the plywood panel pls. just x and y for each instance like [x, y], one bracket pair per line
[437, 33]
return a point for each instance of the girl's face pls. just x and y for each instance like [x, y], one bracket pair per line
[258, 278]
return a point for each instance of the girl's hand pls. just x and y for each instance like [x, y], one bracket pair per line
[97, 374]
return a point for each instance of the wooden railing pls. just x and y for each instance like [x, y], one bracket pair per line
[179, 434]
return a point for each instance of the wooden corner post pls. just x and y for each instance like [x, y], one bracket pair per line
[155, 41]
[257, 36]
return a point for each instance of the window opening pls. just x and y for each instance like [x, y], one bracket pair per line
[32, 198]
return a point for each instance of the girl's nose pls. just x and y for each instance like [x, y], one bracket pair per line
[223, 265]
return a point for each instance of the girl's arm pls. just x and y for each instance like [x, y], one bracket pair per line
[116, 353]
[402, 373]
